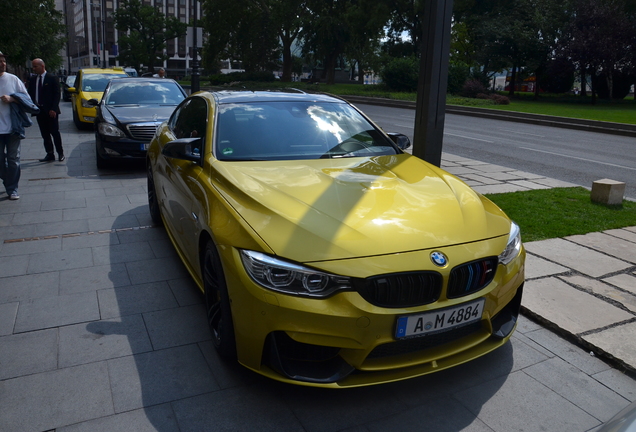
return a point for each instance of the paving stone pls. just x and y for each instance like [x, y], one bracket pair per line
[151, 419]
[122, 253]
[8, 312]
[624, 281]
[87, 240]
[579, 388]
[59, 260]
[185, 291]
[617, 341]
[500, 188]
[602, 288]
[616, 380]
[56, 311]
[538, 267]
[14, 265]
[492, 400]
[28, 353]
[177, 326]
[155, 270]
[102, 340]
[568, 308]
[136, 299]
[93, 278]
[26, 287]
[30, 246]
[63, 204]
[113, 222]
[624, 234]
[575, 256]
[86, 213]
[157, 377]
[48, 400]
[60, 228]
[36, 217]
[616, 247]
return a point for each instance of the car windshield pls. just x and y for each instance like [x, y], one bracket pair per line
[97, 82]
[142, 93]
[296, 130]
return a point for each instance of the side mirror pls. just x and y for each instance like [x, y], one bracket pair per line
[72, 90]
[183, 148]
[92, 102]
[401, 140]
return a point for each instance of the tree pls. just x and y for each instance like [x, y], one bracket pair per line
[601, 40]
[252, 31]
[145, 30]
[32, 29]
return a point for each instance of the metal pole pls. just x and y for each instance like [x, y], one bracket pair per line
[431, 89]
[103, 16]
[194, 85]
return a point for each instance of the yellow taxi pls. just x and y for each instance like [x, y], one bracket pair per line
[328, 256]
[90, 84]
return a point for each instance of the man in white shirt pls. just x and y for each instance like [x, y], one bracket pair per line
[161, 73]
[9, 139]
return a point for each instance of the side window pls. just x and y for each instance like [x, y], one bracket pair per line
[190, 121]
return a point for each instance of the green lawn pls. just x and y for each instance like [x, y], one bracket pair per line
[559, 212]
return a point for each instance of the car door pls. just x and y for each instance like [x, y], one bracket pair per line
[184, 193]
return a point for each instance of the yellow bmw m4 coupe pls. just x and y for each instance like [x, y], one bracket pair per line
[327, 255]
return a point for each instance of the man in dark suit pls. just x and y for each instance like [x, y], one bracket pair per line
[44, 89]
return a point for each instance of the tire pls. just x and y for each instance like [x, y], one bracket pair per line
[76, 120]
[100, 161]
[153, 203]
[217, 303]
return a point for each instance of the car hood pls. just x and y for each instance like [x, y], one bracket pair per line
[328, 209]
[126, 114]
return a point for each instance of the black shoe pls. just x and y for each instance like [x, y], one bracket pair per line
[62, 158]
[48, 158]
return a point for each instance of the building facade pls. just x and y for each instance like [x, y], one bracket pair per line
[93, 40]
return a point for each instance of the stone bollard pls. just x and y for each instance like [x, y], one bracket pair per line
[607, 191]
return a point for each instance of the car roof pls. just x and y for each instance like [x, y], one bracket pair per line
[104, 71]
[288, 95]
[126, 78]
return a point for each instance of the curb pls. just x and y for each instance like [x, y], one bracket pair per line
[538, 119]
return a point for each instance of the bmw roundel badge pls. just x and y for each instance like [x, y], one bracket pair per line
[439, 259]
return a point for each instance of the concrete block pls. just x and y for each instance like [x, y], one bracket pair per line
[607, 191]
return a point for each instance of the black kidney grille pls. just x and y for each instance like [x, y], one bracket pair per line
[402, 289]
[406, 346]
[470, 277]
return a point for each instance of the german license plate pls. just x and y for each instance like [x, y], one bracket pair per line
[439, 320]
[145, 146]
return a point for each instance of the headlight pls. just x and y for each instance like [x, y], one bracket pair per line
[110, 130]
[514, 245]
[286, 277]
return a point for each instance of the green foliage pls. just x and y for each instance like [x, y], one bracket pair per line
[560, 212]
[472, 88]
[147, 30]
[457, 75]
[32, 29]
[401, 74]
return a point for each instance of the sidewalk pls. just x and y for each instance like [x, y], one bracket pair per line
[582, 286]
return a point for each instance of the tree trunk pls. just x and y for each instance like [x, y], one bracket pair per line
[287, 61]
[583, 84]
[513, 81]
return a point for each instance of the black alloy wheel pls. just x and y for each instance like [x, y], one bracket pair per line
[217, 304]
[153, 203]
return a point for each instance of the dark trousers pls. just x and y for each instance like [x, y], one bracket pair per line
[50, 131]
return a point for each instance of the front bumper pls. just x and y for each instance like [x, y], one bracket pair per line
[344, 341]
[116, 148]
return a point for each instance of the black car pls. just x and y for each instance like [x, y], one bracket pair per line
[68, 83]
[128, 115]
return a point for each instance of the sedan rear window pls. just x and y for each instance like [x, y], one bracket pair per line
[296, 130]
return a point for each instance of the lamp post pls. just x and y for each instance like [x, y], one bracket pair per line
[194, 85]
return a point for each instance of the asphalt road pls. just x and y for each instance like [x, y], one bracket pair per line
[573, 156]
